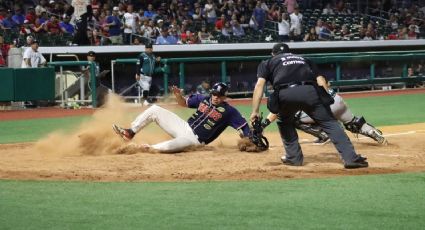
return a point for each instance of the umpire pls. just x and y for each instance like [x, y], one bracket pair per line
[297, 86]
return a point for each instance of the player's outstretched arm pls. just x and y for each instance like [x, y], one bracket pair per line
[181, 100]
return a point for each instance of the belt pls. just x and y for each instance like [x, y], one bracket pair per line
[293, 84]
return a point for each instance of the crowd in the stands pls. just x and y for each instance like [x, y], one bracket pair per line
[104, 22]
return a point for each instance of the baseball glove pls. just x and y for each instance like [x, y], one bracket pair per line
[256, 142]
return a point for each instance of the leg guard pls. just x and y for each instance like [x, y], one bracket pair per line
[358, 125]
[312, 130]
[355, 125]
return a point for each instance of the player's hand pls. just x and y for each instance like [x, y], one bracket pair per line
[176, 91]
[254, 116]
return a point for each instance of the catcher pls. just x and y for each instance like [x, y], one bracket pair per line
[352, 123]
[213, 115]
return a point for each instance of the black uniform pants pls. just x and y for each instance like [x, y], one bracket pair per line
[305, 97]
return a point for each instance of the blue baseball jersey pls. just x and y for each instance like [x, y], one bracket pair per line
[209, 120]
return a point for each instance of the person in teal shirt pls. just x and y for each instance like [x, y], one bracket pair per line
[145, 70]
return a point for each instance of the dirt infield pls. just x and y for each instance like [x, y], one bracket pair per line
[92, 153]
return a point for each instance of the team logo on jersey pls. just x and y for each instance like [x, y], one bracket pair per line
[206, 126]
[221, 109]
[212, 113]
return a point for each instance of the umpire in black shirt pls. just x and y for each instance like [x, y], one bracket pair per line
[295, 81]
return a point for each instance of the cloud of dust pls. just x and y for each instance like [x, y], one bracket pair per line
[95, 136]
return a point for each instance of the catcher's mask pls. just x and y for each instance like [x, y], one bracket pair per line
[219, 89]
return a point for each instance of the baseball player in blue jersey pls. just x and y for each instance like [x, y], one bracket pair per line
[213, 115]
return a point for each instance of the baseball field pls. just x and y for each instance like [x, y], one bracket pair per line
[66, 169]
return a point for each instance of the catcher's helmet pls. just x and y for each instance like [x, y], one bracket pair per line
[219, 89]
[280, 48]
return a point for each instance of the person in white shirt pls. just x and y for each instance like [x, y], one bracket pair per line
[328, 9]
[209, 8]
[33, 58]
[130, 22]
[284, 26]
[296, 24]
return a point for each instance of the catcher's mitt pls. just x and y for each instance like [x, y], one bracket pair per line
[256, 142]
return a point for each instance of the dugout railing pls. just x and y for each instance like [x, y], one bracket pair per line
[404, 58]
[64, 98]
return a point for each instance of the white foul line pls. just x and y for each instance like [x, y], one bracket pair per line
[392, 134]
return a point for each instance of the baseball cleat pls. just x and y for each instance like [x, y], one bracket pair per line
[287, 162]
[360, 162]
[125, 134]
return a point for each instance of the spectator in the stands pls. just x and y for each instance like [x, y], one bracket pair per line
[114, 25]
[227, 29]
[411, 34]
[26, 29]
[166, 38]
[18, 17]
[7, 23]
[231, 10]
[274, 12]
[194, 39]
[220, 23]
[33, 58]
[150, 12]
[66, 27]
[30, 16]
[2, 13]
[393, 22]
[130, 21]
[283, 28]
[290, 5]
[57, 8]
[204, 34]
[341, 8]
[237, 29]
[258, 18]
[210, 11]
[198, 15]
[40, 8]
[296, 24]
[311, 35]
[40, 22]
[52, 27]
[328, 10]
[402, 33]
[4, 50]
[371, 31]
[345, 33]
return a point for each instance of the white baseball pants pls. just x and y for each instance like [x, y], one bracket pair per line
[170, 123]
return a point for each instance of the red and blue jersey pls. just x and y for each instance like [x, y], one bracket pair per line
[209, 120]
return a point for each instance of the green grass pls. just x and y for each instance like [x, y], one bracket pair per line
[360, 202]
[31, 130]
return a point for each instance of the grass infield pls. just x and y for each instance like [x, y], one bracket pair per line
[353, 202]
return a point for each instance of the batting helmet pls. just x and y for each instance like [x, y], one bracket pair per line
[219, 89]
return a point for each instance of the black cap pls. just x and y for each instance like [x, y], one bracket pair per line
[34, 41]
[219, 89]
[280, 48]
[91, 54]
[148, 45]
